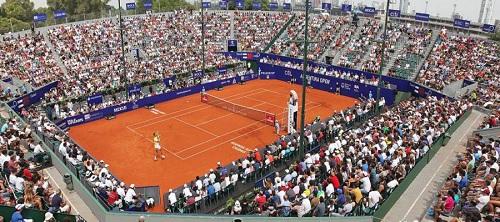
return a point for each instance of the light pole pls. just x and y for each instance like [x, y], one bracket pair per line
[426, 6]
[124, 71]
[202, 39]
[304, 84]
[379, 84]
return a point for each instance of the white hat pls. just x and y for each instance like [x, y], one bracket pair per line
[132, 186]
[48, 216]
[19, 206]
[218, 163]
[106, 165]
[122, 184]
[170, 190]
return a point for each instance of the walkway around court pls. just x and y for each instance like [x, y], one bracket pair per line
[419, 196]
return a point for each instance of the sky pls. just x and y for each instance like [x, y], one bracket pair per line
[469, 9]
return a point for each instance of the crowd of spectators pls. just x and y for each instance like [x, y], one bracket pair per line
[417, 42]
[316, 22]
[372, 63]
[94, 173]
[358, 46]
[324, 40]
[23, 183]
[220, 181]
[457, 57]
[292, 31]
[323, 70]
[355, 169]
[27, 58]
[255, 30]
[472, 191]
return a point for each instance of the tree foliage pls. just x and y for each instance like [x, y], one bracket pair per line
[78, 7]
[18, 9]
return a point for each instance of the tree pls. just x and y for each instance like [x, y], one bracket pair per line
[18, 9]
[12, 24]
[78, 7]
[495, 37]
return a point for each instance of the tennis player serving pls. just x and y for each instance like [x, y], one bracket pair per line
[157, 146]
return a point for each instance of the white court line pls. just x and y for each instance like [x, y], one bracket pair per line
[154, 112]
[158, 111]
[142, 135]
[197, 127]
[145, 121]
[63, 193]
[186, 113]
[213, 147]
[220, 117]
[434, 175]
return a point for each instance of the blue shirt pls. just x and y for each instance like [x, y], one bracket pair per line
[210, 190]
[17, 217]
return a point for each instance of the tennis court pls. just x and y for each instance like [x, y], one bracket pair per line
[195, 135]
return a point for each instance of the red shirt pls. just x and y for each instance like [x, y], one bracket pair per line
[257, 156]
[335, 181]
[112, 197]
[27, 174]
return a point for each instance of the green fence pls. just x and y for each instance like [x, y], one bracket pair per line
[398, 191]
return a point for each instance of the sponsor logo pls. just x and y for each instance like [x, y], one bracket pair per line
[183, 92]
[119, 109]
[75, 121]
[288, 73]
[87, 116]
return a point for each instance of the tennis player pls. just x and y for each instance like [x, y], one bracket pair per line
[157, 146]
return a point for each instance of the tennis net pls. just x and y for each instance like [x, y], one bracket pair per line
[252, 113]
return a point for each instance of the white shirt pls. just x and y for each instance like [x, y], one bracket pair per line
[19, 184]
[373, 198]
[172, 198]
[38, 149]
[483, 201]
[129, 196]
[392, 184]
[120, 191]
[367, 185]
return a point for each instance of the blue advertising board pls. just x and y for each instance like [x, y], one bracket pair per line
[130, 6]
[346, 7]
[222, 70]
[148, 4]
[287, 6]
[95, 99]
[369, 10]
[256, 5]
[135, 88]
[206, 4]
[326, 6]
[114, 110]
[59, 14]
[422, 17]
[232, 43]
[273, 6]
[40, 17]
[240, 4]
[198, 74]
[394, 13]
[489, 28]
[223, 4]
[461, 23]
[31, 98]
[345, 87]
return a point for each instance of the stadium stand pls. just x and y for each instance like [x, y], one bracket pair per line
[354, 159]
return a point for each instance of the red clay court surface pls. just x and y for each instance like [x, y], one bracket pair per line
[195, 135]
